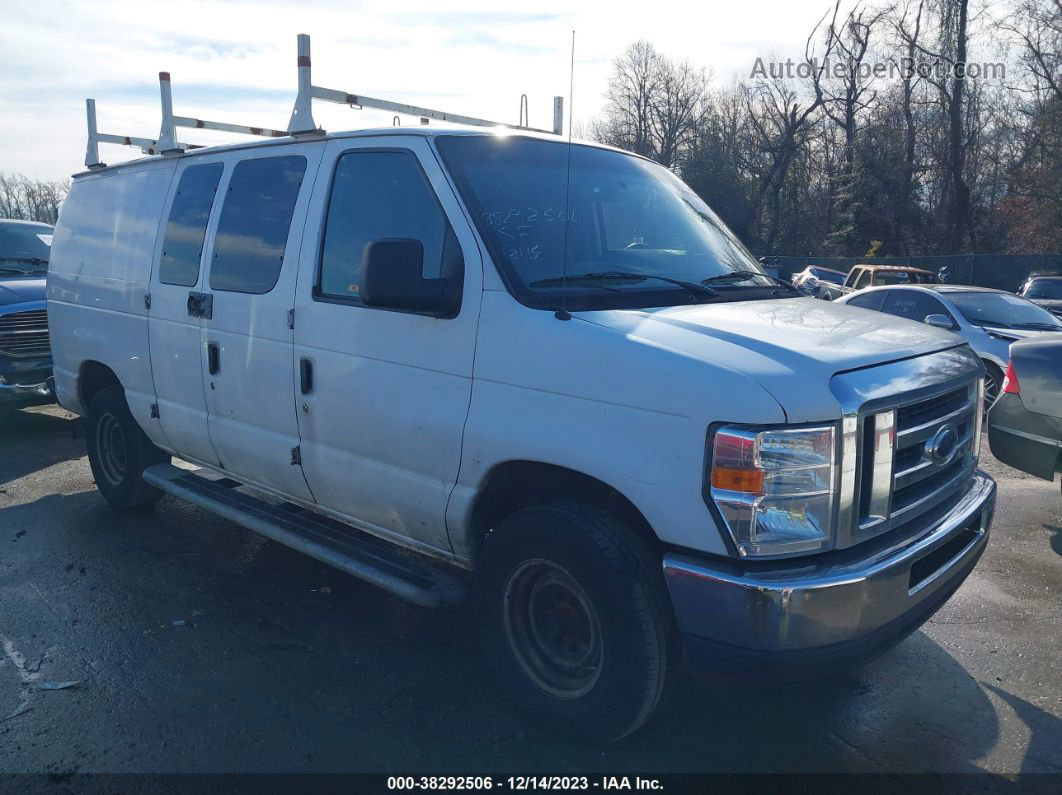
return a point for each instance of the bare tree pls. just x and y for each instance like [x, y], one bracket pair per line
[845, 94]
[1037, 26]
[781, 118]
[676, 109]
[29, 199]
[634, 83]
[937, 161]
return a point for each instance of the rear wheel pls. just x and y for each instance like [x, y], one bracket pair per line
[575, 619]
[119, 452]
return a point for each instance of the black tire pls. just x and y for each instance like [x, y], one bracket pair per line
[119, 452]
[993, 383]
[576, 571]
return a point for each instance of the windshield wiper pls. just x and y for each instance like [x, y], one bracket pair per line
[738, 276]
[623, 276]
[17, 271]
[1036, 326]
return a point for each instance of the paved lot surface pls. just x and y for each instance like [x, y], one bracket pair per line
[199, 646]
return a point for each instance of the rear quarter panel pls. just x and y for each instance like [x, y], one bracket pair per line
[1038, 363]
[101, 258]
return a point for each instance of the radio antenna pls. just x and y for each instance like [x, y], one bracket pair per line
[562, 313]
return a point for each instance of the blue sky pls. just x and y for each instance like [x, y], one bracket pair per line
[234, 60]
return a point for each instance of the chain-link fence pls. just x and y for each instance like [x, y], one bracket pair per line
[1002, 271]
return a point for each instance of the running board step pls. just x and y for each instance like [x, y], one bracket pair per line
[357, 553]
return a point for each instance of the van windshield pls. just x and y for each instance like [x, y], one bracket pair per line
[633, 236]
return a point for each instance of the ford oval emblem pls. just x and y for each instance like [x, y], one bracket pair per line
[942, 446]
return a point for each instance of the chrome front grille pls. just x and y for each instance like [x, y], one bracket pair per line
[909, 431]
[24, 334]
[918, 479]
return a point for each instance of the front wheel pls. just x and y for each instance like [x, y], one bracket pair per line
[575, 619]
[119, 452]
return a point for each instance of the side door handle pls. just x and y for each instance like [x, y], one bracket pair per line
[213, 358]
[306, 376]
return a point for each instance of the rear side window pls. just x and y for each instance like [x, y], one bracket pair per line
[913, 305]
[871, 300]
[378, 195]
[182, 247]
[255, 220]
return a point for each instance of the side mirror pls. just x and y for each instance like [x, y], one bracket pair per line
[939, 321]
[391, 278]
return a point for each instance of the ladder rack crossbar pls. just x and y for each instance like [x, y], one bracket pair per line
[343, 98]
[200, 124]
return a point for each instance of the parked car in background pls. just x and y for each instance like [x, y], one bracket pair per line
[862, 277]
[810, 280]
[989, 320]
[25, 353]
[1045, 291]
[1025, 424]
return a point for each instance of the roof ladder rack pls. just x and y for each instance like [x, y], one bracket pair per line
[166, 143]
[302, 122]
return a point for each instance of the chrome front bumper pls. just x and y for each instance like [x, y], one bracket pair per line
[45, 390]
[815, 609]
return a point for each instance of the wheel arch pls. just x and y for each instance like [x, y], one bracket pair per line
[92, 377]
[512, 485]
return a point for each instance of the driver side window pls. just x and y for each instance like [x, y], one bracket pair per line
[379, 195]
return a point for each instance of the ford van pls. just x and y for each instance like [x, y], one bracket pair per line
[537, 374]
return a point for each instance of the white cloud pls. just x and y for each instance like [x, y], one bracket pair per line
[234, 60]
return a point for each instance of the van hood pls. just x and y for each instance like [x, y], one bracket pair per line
[791, 347]
[18, 289]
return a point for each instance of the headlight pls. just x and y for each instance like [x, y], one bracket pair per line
[774, 487]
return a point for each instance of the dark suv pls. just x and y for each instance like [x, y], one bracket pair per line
[25, 352]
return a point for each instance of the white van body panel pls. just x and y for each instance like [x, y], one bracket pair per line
[629, 412]
[102, 252]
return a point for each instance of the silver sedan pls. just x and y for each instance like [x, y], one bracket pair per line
[989, 320]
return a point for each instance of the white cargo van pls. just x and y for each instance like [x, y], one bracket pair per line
[458, 362]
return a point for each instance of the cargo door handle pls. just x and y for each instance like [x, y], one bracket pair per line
[213, 358]
[306, 376]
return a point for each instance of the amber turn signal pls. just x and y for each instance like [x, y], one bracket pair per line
[749, 481]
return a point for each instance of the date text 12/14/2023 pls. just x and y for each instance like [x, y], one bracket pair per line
[524, 783]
